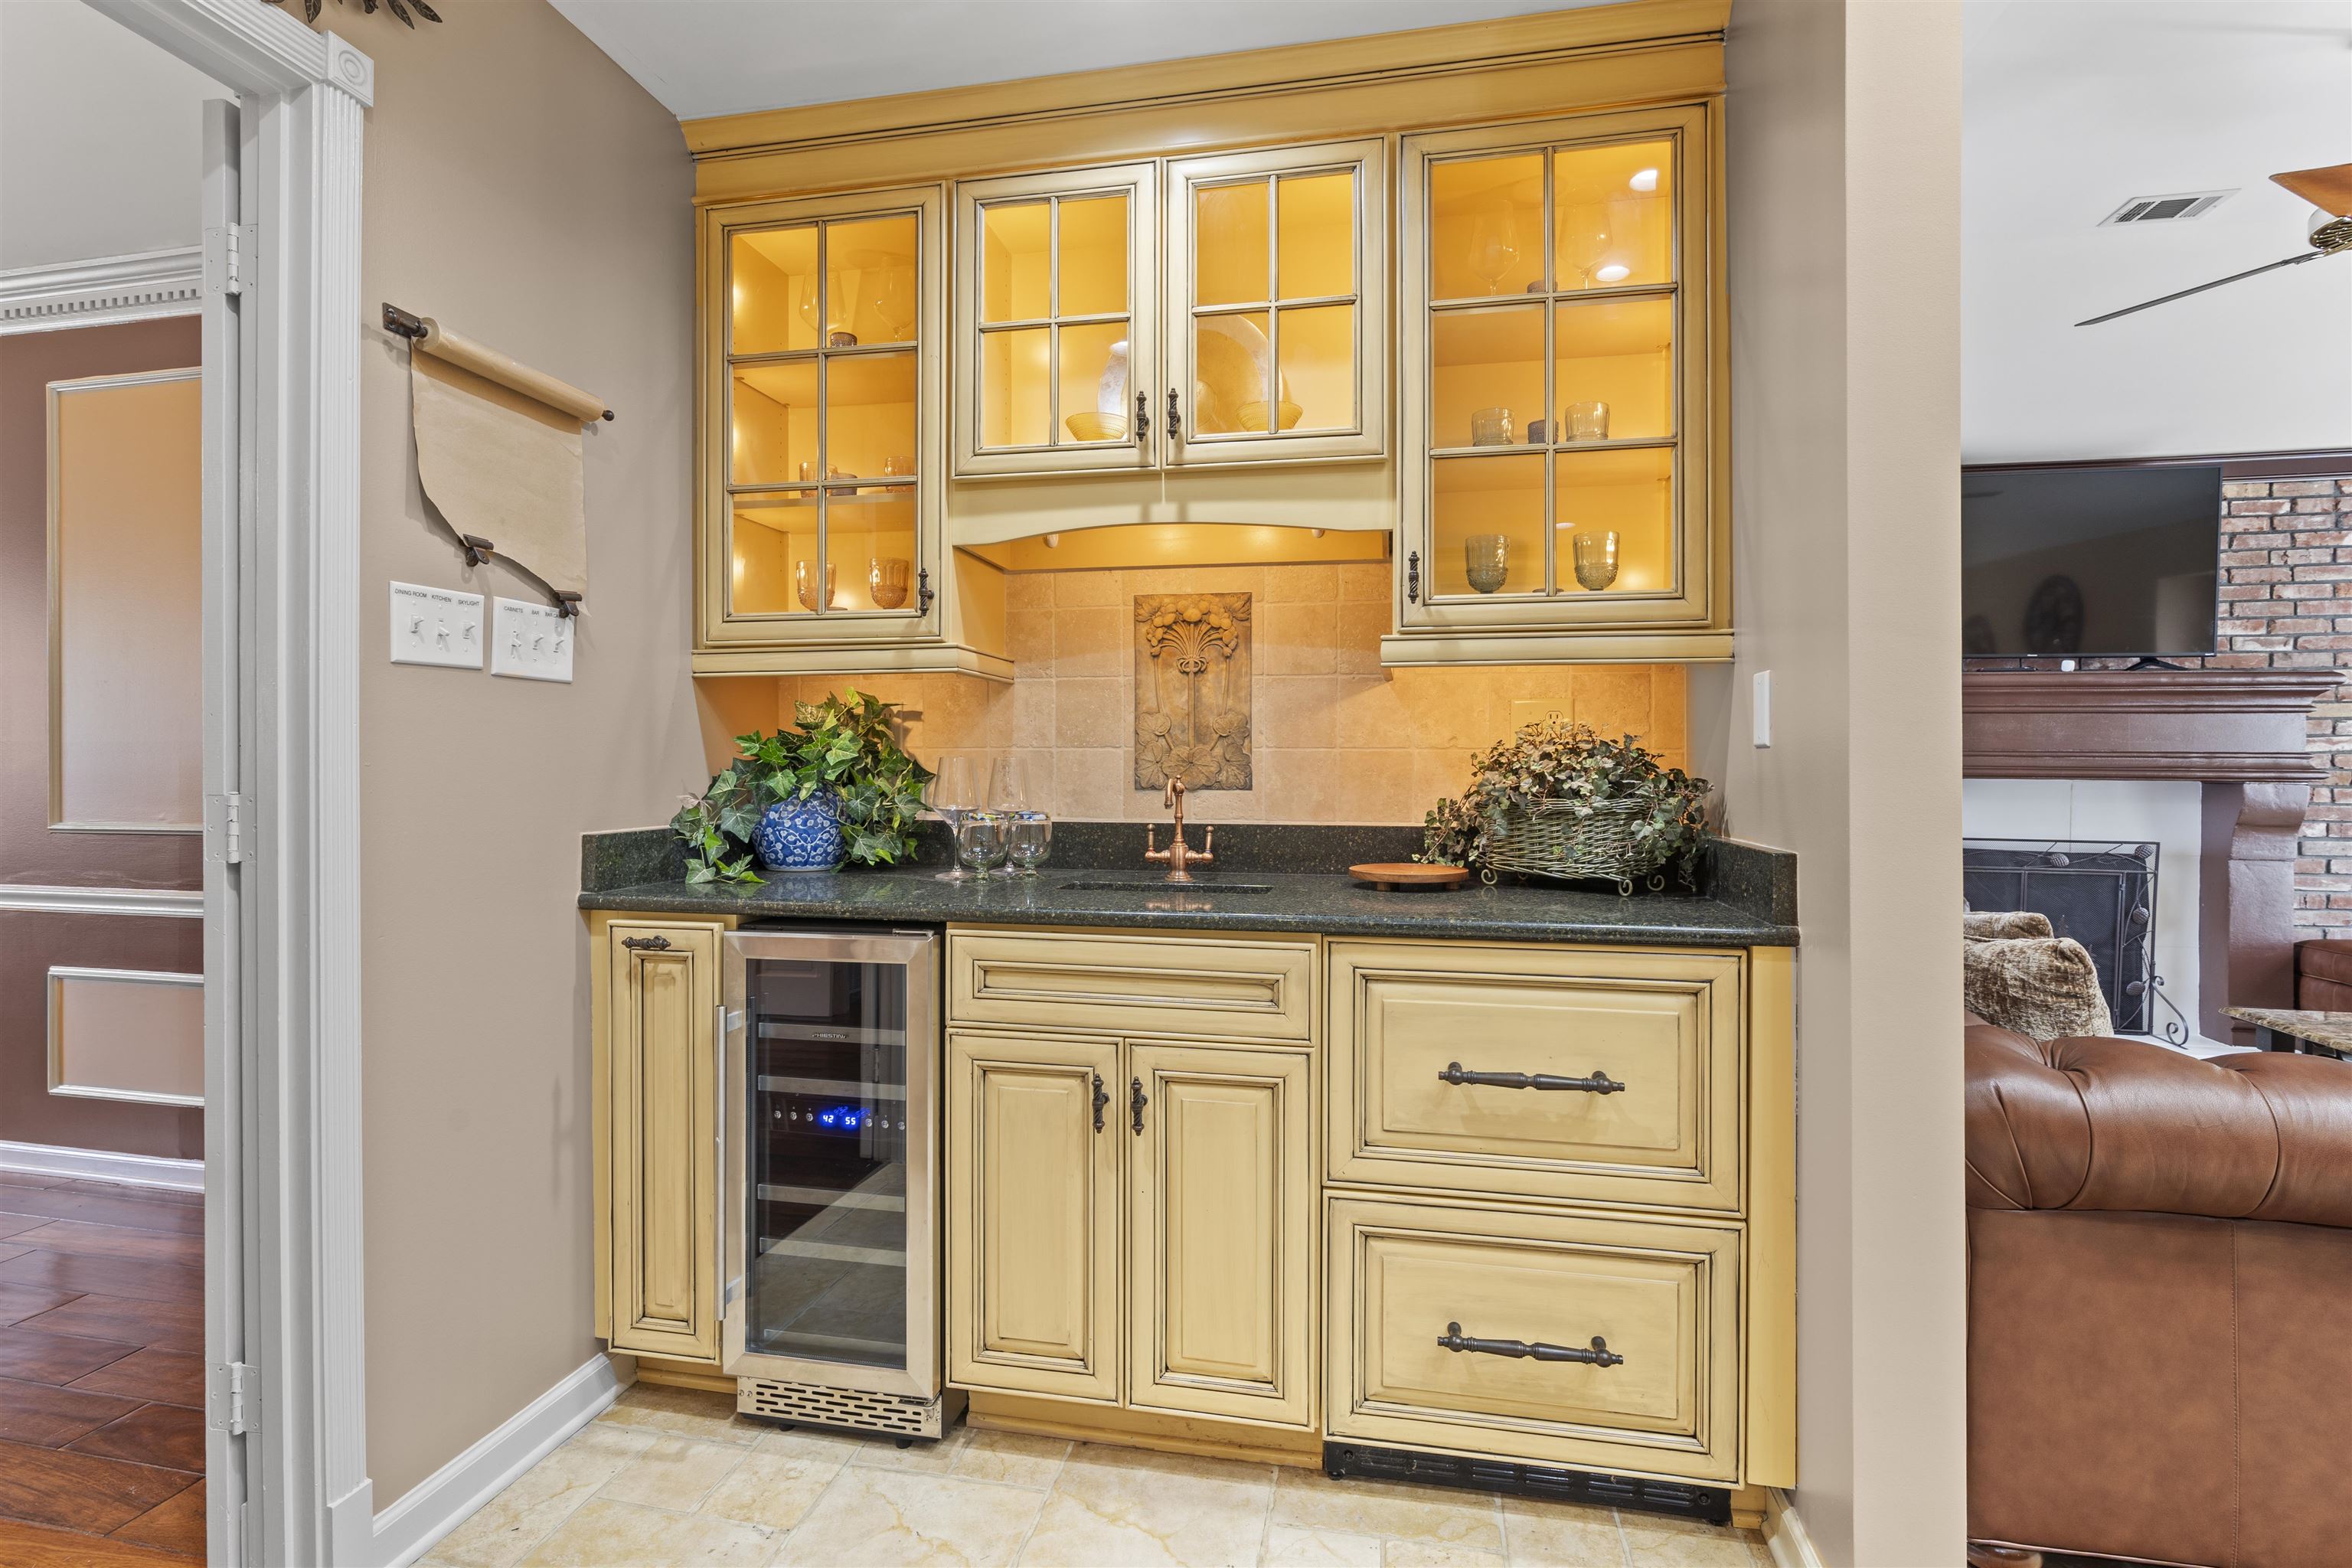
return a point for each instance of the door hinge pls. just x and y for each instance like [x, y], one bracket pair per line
[231, 1398]
[224, 828]
[225, 261]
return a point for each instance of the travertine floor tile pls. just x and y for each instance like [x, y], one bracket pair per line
[881, 1453]
[605, 1534]
[1134, 1508]
[1435, 1554]
[1016, 1459]
[885, 1519]
[674, 1473]
[1541, 1534]
[681, 1413]
[1294, 1546]
[503, 1528]
[1407, 1512]
[773, 1489]
[1651, 1543]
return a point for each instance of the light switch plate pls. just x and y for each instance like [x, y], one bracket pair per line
[436, 625]
[531, 641]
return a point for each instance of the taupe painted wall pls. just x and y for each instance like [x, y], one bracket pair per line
[525, 192]
[1844, 132]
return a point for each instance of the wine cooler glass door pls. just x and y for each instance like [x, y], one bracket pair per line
[830, 1042]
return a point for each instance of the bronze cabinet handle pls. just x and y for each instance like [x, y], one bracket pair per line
[1102, 1097]
[1175, 418]
[1136, 1101]
[1598, 1083]
[1413, 578]
[656, 943]
[1142, 417]
[1599, 1355]
[923, 592]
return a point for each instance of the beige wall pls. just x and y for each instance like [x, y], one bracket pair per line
[523, 191]
[1844, 132]
[1334, 737]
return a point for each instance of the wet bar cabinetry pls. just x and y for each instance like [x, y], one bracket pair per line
[1452, 298]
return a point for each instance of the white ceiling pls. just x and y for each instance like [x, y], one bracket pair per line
[724, 57]
[2072, 107]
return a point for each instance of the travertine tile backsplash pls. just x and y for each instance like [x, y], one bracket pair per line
[1336, 738]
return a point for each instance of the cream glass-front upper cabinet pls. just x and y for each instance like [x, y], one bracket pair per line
[1243, 322]
[1559, 405]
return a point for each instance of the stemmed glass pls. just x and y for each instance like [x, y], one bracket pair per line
[1008, 785]
[951, 795]
[981, 841]
[1494, 247]
[1029, 835]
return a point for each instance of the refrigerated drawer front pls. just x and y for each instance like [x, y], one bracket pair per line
[1577, 1341]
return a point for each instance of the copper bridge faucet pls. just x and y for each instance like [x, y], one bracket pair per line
[1179, 854]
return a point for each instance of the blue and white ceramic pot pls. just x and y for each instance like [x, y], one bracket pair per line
[800, 835]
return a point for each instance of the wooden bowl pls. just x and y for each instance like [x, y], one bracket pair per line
[1395, 874]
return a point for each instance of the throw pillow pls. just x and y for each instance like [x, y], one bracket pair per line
[1986, 926]
[2043, 987]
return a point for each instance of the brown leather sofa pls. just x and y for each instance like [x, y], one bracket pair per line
[2159, 1303]
[2323, 976]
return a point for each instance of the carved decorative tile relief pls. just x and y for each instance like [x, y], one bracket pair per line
[1193, 691]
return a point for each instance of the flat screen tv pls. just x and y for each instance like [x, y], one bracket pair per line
[2059, 563]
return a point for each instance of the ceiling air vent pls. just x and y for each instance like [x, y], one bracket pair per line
[2177, 209]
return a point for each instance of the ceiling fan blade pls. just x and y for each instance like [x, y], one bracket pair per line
[2328, 188]
[2183, 294]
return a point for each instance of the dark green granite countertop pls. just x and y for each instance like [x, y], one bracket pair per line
[1331, 903]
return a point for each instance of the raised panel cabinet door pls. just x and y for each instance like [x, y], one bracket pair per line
[1221, 1203]
[664, 1130]
[1057, 313]
[1032, 1215]
[1277, 345]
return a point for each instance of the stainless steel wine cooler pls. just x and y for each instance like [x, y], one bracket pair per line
[829, 1219]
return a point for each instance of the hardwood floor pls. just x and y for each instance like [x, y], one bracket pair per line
[101, 1374]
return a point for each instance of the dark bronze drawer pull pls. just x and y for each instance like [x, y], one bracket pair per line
[1598, 1083]
[646, 943]
[1136, 1101]
[1599, 1355]
[1102, 1097]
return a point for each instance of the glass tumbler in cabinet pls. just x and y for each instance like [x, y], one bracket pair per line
[829, 1208]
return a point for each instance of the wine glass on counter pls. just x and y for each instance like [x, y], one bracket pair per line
[952, 796]
[980, 839]
[1008, 785]
[1028, 839]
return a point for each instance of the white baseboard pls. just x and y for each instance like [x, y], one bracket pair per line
[446, 1499]
[98, 1165]
[1784, 1534]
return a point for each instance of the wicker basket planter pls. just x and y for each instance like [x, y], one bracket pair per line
[1557, 839]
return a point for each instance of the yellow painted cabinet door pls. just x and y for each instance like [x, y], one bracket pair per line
[1032, 1215]
[1220, 1194]
[664, 1165]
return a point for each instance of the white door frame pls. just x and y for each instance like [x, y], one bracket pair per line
[295, 1053]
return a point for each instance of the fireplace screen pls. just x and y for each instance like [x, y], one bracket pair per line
[2101, 894]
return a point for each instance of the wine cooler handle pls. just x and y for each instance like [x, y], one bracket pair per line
[1599, 1355]
[1136, 1101]
[719, 1148]
[1102, 1097]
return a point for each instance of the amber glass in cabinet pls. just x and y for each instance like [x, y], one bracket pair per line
[663, 1099]
[1276, 347]
[822, 492]
[1057, 316]
[1560, 311]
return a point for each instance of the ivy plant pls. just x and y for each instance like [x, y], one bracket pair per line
[1550, 761]
[843, 745]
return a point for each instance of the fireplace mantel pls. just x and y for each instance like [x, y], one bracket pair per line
[2243, 735]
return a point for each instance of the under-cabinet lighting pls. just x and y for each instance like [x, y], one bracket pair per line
[1645, 180]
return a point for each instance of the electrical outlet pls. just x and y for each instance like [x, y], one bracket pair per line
[436, 625]
[1530, 710]
[531, 641]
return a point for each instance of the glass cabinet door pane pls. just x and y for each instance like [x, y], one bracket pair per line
[871, 281]
[772, 284]
[1232, 257]
[1233, 360]
[1486, 376]
[1487, 226]
[1488, 526]
[1614, 370]
[1631, 492]
[1316, 359]
[1314, 218]
[1094, 256]
[1016, 282]
[826, 1272]
[772, 439]
[1015, 389]
[1096, 402]
[869, 536]
[772, 539]
[869, 416]
[1613, 209]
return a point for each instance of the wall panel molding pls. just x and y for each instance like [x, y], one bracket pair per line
[102, 292]
[42, 898]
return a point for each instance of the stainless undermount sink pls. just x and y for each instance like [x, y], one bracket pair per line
[1157, 885]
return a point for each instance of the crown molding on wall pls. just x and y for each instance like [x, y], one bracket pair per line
[101, 293]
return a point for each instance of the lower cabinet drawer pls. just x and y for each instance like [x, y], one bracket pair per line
[1449, 1326]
